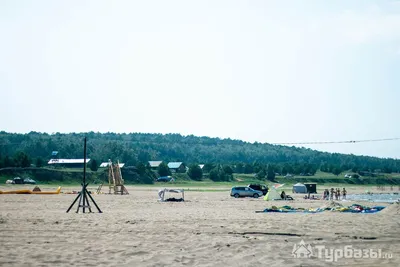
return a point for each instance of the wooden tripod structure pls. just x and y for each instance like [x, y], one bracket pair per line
[84, 195]
[115, 180]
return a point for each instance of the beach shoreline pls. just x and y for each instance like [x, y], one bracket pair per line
[208, 229]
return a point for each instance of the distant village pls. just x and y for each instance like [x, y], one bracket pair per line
[174, 167]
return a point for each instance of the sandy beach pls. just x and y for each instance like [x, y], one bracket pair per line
[208, 229]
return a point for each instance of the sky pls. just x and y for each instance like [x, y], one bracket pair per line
[266, 71]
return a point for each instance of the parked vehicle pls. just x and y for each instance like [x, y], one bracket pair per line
[245, 191]
[29, 181]
[165, 179]
[260, 187]
[18, 180]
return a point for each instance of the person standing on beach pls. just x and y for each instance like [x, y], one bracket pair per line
[327, 194]
[338, 193]
[344, 192]
[332, 192]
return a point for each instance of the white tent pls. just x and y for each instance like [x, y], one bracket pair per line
[299, 188]
[273, 194]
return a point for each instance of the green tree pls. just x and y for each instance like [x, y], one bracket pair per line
[8, 162]
[208, 167]
[163, 169]
[143, 156]
[248, 168]
[287, 169]
[94, 166]
[22, 160]
[141, 168]
[39, 162]
[214, 175]
[355, 169]
[261, 175]
[257, 167]
[228, 170]
[138, 174]
[297, 169]
[239, 168]
[323, 168]
[218, 174]
[270, 172]
[195, 172]
[336, 171]
[387, 169]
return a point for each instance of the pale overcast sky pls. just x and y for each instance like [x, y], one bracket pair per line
[266, 71]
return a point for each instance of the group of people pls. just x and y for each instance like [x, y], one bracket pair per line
[334, 193]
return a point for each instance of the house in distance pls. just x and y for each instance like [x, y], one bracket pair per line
[177, 167]
[68, 163]
[154, 164]
[107, 164]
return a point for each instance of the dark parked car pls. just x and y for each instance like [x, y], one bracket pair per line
[165, 179]
[260, 187]
[18, 180]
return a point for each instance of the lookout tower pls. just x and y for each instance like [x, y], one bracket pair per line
[115, 180]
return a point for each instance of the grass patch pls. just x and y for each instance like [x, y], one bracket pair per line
[73, 177]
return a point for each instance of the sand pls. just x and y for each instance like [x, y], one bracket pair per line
[209, 229]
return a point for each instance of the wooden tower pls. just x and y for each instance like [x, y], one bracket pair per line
[115, 180]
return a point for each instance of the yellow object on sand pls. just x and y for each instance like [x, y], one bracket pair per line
[48, 192]
[343, 209]
[27, 191]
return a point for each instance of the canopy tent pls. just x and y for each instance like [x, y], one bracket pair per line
[299, 188]
[273, 193]
[311, 187]
[162, 195]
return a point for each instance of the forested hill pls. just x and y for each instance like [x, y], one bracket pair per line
[141, 147]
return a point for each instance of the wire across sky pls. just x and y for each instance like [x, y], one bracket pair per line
[338, 142]
[302, 143]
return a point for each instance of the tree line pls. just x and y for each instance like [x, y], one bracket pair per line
[266, 160]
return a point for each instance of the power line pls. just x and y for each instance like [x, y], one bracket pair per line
[338, 142]
[285, 143]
